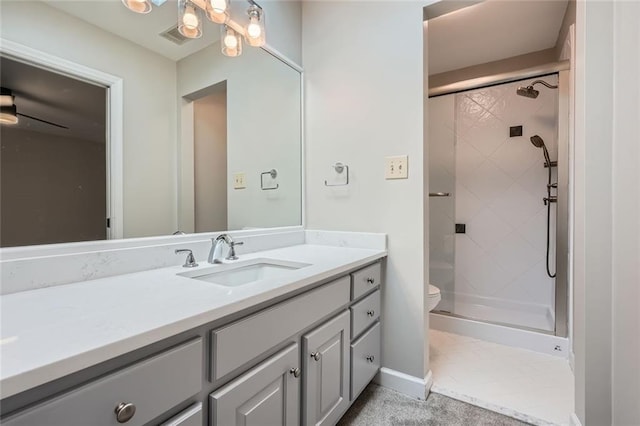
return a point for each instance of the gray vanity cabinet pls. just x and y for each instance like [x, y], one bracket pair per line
[326, 367]
[266, 395]
[299, 361]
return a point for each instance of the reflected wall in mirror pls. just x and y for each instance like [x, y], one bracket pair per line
[175, 173]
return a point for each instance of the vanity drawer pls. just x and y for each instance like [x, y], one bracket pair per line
[153, 386]
[240, 342]
[192, 416]
[365, 359]
[365, 280]
[364, 313]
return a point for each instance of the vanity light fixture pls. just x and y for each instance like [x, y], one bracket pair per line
[254, 32]
[231, 42]
[217, 11]
[138, 6]
[189, 22]
[8, 115]
[8, 110]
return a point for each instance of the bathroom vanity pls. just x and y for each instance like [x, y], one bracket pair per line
[292, 349]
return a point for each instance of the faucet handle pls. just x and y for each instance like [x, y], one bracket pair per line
[190, 261]
[232, 249]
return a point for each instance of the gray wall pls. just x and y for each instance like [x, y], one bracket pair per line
[363, 101]
[568, 20]
[210, 160]
[607, 232]
[53, 189]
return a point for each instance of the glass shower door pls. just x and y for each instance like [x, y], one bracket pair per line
[442, 198]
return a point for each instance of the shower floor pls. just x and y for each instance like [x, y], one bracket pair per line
[531, 316]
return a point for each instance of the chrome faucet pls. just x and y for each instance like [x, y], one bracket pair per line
[223, 238]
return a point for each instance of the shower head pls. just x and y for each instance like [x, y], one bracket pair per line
[528, 92]
[539, 143]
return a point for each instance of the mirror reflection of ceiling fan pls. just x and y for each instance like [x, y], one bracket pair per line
[9, 112]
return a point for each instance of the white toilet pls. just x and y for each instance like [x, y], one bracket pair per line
[433, 298]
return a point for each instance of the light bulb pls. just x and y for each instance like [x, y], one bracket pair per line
[190, 19]
[138, 6]
[253, 29]
[230, 41]
[219, 6]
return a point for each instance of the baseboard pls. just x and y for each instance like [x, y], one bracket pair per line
[574, 420]
[404, 383]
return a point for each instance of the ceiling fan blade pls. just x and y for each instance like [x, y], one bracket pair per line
[43, 121]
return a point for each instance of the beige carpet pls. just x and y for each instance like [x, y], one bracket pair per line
[378, 406]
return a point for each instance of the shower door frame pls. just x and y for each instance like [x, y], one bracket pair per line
[562, 250]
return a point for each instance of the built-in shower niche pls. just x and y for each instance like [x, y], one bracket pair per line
[496, 270]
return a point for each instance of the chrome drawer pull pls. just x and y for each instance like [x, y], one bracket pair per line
[315, 355]
[295, 372]
[371, 280]
[125, 412]
[371, 313]
[370, 358]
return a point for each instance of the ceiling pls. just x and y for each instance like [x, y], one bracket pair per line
[144, 30]
[53, 97]
[492, 30]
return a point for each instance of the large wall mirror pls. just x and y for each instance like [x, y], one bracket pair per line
[207, 142]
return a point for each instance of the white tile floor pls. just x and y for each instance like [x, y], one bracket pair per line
[527, 385]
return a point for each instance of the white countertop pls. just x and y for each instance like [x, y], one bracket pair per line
[49, 333]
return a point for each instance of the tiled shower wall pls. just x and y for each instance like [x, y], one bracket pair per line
[499, 185]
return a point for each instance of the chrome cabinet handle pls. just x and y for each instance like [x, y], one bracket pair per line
[295, 372]
[371, 280]
[371, 313]
[315, 355]
[370, 358]
[125, 411]
[439, 194]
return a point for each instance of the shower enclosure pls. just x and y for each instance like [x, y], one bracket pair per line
[494, 199]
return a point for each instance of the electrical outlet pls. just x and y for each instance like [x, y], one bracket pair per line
[396, 167]
[239, 181]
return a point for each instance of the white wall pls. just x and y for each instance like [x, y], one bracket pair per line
[150, 113]
[263, 133]
[363, 101]
[210, 161]
[607, 232]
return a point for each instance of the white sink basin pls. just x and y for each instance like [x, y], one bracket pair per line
[244, 272]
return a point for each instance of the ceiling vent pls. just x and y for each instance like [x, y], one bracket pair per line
[174, 36]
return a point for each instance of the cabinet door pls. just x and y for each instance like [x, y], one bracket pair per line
[267, 395]
[326, 368]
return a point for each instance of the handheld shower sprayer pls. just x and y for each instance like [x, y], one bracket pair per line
[539, 143]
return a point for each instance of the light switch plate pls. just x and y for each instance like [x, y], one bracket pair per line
[239, 181]
[396, 167]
